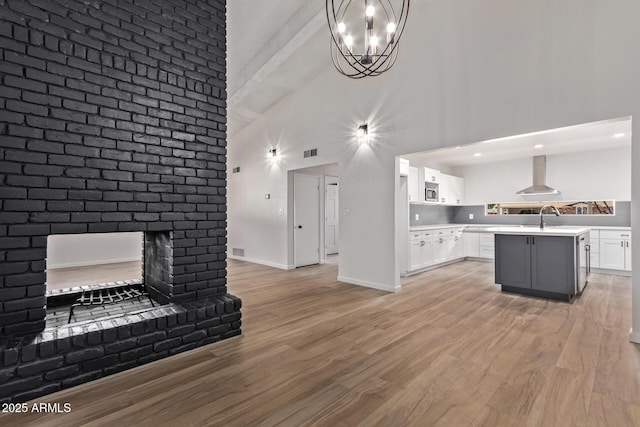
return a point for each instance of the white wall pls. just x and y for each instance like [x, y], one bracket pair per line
[76, 250]
[467, 71]
[601, 174]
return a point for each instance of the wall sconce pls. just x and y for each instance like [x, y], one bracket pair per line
[363, 133]
[272, 151]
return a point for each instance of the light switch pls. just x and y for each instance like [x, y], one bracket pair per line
[347, 211]
[417, 217]
[281, 211]
[470, 216]
[267, 196]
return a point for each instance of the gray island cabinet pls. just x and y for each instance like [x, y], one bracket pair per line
[541, 263]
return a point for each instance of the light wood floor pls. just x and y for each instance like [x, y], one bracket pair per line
[94, 274]
[448, 350]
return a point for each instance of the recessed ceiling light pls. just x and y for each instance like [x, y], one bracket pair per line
[538, 146]
[618, 135]
[458, 147]
[477, 155]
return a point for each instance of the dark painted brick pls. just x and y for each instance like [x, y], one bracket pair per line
[33, 368]
[84, 354]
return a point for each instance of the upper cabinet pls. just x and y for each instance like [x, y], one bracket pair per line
[450, 188]
[432, 175]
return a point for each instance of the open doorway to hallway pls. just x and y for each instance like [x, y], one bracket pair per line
[315, 223]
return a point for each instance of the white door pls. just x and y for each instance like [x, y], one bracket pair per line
[331, 226]
[306, 219]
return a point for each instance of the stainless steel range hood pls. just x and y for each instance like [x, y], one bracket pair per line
[539, 178]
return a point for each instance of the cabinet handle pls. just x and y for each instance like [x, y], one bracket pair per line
[422, 243]
[533, 240]
[622, 244]
[627, 244]
[527, 240]
[624, 235]
[441, 241]
[433, 178]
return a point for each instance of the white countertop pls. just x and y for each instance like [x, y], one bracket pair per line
[536, 230]
[516, 229]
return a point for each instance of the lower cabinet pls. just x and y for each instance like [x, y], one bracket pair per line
[427, 248]
[420, 253]
[537, 263]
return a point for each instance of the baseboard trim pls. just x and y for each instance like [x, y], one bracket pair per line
[262, 262]
[634, 337]
[612, 272]
[90, 263]
[367, 284]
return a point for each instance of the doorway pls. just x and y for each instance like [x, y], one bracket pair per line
[326, 226]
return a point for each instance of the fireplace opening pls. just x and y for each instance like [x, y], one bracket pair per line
[79, 260]
[96, 276]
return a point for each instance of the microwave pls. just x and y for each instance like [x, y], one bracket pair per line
[431, 194]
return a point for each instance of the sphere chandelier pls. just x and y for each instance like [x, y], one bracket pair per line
[365, 35]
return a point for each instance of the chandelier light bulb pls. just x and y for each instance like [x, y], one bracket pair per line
[341, 27]
[348, 40]
[370, 11]
[391, 28]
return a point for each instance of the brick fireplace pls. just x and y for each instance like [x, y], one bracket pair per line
[112, 118]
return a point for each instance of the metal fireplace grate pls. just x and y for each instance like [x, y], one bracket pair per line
[111, 295]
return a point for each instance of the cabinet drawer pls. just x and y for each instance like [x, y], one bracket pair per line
[420, 235]
[615, 234]
[487, 240]
[486, 252]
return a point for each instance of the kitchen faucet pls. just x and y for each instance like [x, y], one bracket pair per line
[555, 211]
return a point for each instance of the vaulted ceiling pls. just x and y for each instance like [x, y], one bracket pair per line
[272, 49]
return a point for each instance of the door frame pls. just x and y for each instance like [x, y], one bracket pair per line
[329, 180]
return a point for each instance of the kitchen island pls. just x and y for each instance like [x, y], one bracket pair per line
[549, 262]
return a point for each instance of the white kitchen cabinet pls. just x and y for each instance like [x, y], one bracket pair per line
[420, 250]
[451, 190]
[615, 250]
[448, 245]
[457, 191]
[416, 184]
[461, 247]
[431, 175]
[444, 189]
[472, 243]
[487, 245]
[594, 248]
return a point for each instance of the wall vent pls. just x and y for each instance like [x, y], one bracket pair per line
[237, 252]
[236, 169]
[311, 153]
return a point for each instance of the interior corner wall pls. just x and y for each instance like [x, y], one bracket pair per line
[467, 71]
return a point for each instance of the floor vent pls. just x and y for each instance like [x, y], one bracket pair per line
[237, 252]
[311, 153]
